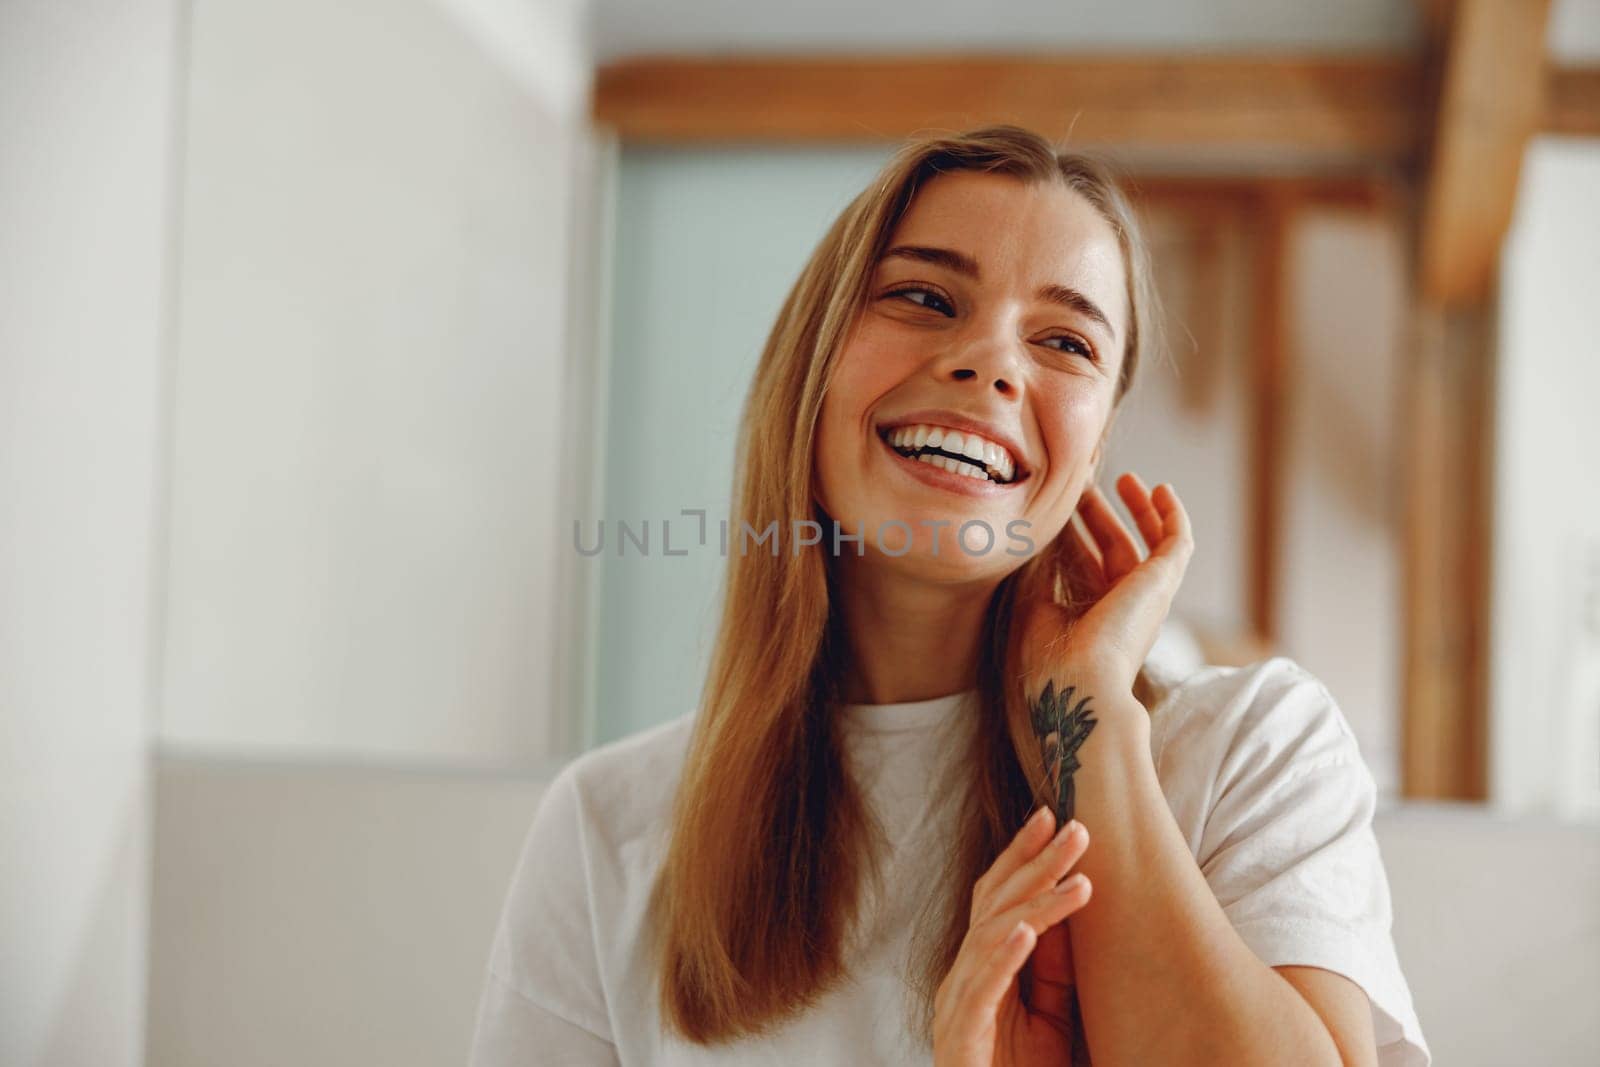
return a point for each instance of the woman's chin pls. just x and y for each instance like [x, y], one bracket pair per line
[938, 562]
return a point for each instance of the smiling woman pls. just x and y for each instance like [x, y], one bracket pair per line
[872, 842]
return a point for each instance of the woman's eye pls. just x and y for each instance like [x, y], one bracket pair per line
[1072, 344]
[934, 301]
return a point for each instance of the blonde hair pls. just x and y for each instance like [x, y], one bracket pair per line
[770, 840]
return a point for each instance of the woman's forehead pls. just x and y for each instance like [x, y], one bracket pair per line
[1013, 231]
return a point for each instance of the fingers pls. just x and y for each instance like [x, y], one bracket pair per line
[1041, 872]
[982, 992]
[1132, 490]
[1033, 836]
[1174, 516]
[1116, 544]
[1161, 518]
[1021, 896]
[983, 973]
[1045, 909]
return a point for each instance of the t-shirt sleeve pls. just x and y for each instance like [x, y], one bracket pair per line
[512, 1029]
[543, 1001]
[1287, 844]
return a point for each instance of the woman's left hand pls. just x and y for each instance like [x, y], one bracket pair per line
[1110, 641]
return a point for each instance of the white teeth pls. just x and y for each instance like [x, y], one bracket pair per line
[988, 460]
[954, 466]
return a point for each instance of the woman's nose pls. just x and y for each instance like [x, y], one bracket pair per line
[989, 360]
[1001, 385]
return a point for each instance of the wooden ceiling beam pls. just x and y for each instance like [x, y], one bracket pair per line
[1490, 101]
[1357, 192]
[1362, 110]
[1360, 107]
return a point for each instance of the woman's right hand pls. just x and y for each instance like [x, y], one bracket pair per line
[980, 1019]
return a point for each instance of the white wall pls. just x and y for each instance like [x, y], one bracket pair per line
[692, 302]
[1545, 622]
[1340, 599]
[319, 916]
[373, 347]
[1200, 446]
[373, 309]
[1503, 957]
[85, 117]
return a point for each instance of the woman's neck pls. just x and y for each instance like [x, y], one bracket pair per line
[908, 640]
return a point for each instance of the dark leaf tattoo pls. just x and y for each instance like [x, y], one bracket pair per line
[1061, 727]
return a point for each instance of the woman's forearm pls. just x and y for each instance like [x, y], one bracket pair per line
[1162, 975]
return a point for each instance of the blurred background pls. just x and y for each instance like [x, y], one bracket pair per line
[323, 325]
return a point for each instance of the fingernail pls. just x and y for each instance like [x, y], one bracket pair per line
[1038, 818]
[1070, 884]
[1065, 832]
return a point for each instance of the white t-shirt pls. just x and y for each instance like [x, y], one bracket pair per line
[1257, 764]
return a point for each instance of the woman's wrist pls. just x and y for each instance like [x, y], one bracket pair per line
[1110, 698]
[1079, 721]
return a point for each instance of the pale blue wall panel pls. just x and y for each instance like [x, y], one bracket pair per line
[708, 244]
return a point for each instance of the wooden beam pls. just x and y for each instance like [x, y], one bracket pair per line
[1351, 106]
[1490, 101]
[1489, 87]
[1274, 217]
[1356, 192]
[1572, 102]
[1363, 110]
[1436, 17]
[1448, 384]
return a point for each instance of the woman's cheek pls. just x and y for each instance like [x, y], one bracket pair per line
[1077, 415]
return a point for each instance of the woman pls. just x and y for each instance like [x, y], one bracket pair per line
[834, 860]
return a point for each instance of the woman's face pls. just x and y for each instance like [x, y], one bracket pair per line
[998, 315]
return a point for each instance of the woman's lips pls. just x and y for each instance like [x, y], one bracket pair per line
[940, 478]
[974, 452]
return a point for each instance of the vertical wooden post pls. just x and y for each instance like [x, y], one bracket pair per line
[1274, 218]
[1488, 60]
[1447, 433]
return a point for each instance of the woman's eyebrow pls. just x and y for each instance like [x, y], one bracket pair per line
[965, 265]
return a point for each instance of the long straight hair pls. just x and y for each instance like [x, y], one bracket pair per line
[770, 839]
